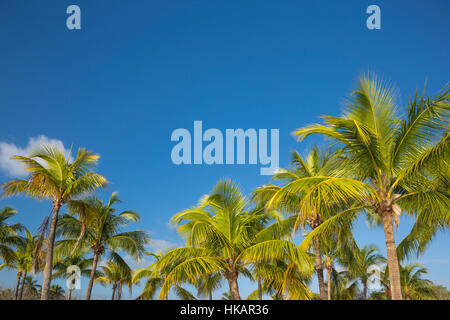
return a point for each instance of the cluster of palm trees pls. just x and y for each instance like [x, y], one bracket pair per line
[90, 226]
[379, 161]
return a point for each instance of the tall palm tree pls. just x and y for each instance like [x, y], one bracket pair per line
[216, 231]
[307, 187]
[54, 177]
[403, 161]
[117, 276]
[219, 232]
[331, 255]
[9, 234]
[31, 256]
[101, 232]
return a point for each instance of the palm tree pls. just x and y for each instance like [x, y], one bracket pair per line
[100, 231]
[209, 283]
[56, 292]
[31, 286]
[403, 162]
[216, 232]
[282, 281]
[312, 183]
[219, 233]
[361, 263]
[156, 278]
[343, 285]
[30, 256]
[61, 267]
[9, 237]
[22, 259]
[55, 177]
[413, 286]
[117, 276]
[331, 255]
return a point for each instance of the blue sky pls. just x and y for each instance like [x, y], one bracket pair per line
[137, 70]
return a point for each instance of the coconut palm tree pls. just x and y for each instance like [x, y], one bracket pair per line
[216, 231]
[343, 285]
[117, 276]
[331, 255]
[56, 292]
[307, 192]
[219, 232]
[101, 232]
[31, 286]
[31, 256]
[282, 281]
[403, 161]
[209, 283]
[9, 234]
[61, 267]
[413, 286]
[54, 177]
[22, 259]
[360, 263]
[156, 277]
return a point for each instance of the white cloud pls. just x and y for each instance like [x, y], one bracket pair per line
[14, 168]
[159, 244]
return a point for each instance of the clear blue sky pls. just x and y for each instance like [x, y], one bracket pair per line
[137, 70]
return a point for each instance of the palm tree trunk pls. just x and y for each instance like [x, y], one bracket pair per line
[210, 295]
[329, 282]
[91, 277]
[19, 277]
[319, 268]
[233, 284]
[22, 284]
[394, 271]
[69, 294]
[234, 289]
[119, 292]
[259, 290]
[365, 290]
[114, 291]
[49, 256]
